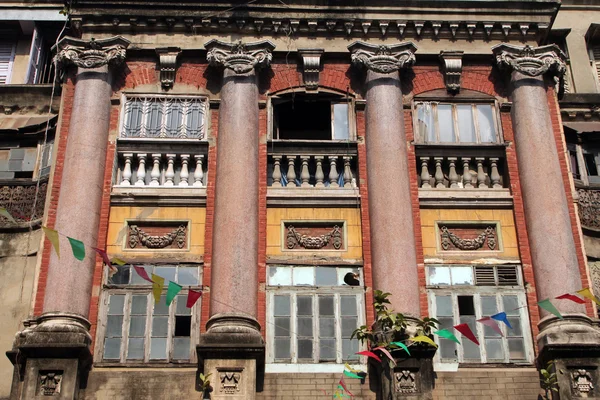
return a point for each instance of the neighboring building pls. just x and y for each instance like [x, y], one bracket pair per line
[260, 152]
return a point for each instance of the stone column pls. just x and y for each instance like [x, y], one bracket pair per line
[553, 248]
[233, 343]
[393, 246]
[59, 340]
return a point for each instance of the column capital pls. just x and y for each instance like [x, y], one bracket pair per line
[239, 57]
[530, 61]
[384, 59]
[91, 53]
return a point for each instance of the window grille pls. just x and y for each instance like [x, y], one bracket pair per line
[164, 117]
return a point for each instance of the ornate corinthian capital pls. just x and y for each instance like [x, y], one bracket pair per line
[383, 58]
[531, 61]
[92, 53]
[239, 57]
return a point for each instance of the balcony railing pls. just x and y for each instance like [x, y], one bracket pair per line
[589, 208]
[161, 170]
[23, 200]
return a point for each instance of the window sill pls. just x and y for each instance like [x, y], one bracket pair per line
[154, 364]
[454, 367]
[158, 195]
[309, 368]
[465, 197]
[319, 197]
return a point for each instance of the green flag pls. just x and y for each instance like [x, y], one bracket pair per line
[352, 375]
[172, 291]
[446, 334]
[4, 212]
[400, 344]
[548, 306]
[78, 248]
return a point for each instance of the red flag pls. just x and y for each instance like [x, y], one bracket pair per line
[344, 386]
[467, 332]
[102, 254]
[571, 297]
[193, 296]
[141, 271]
[369, 354]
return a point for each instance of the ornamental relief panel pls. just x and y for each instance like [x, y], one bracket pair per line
[153, 235]
[589, 208]
[474, 237]
[304, 235]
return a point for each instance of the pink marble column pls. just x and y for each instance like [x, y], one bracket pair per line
[234, 278]
[547, 218]
[393, 247]
[69, 284]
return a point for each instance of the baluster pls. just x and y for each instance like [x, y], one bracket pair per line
[480, 174]
[170, 174]
[185, 173]
[425, 177]
[141, 171]
[347, 172]
[291, 174]
[467, 179]
[333, 174]
[304, 174]
[127, 169]
[452, 175]
[494, 175]
[439, 175]
[155, 173]
[276, 171]
[319, 175]
[199, 172]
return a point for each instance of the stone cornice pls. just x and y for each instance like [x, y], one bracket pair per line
[531, 61]
[91, 54]
[383, 59]
[239, 57]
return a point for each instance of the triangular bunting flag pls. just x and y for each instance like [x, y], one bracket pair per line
[192, 298]
[369, 354]
[172, 291]
[349, 368]
[466, 331]
[387, 353]
[548, 306]
[102, 254]
[78, 248]
[588, 295]
[52, 236]
[352, 375]
[344, 386]
[571, 297]
[119, 262]
[402, 345]
[141, 271]
[501, 316]
[488, 321]
[157, 287]
[4, 212]
[446, 334]
[424, 339]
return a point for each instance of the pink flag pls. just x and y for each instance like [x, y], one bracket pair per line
[344, 386]
[369, 354]
[491, 323]
[571, 297]
[102, 254]
[387, 353]
[141, 271]
[193, 296]
[467, 332]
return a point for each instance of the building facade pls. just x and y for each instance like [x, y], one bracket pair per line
[256, 172]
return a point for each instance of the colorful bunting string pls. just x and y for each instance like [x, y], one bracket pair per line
[466, 331]
[588, 295]
[501, 316]
[369, 354]
[446, 334]
[343, 385]
[78, 248]
[352, 375]
[141, 271]
[402, 345]
[158, 282]
[52, 236]
[488, 321]
[424, 339]
[548, 306]
[172, 291]
[387, 353]
[571, 297]
[193, 297]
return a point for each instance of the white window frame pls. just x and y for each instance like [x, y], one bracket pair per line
[147, 100]
[36, 58]
[434, 105]
[11, 60]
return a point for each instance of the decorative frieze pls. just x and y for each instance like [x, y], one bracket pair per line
[383, 59]
[406, 382]
[157, 236]
[314, 237]
[168, 65]
[531, 61]
[239, 57]
[452, 67]
[311, 65]
[50, 383]
[468, 238]
[589, 208]
[92, 53]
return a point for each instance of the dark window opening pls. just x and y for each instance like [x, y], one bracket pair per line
[303, 120]
[466, 306]
[590, 164]
[183, 325]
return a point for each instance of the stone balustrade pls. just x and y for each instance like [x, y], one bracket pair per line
[461, 172]
[169, 170]
[294, 170]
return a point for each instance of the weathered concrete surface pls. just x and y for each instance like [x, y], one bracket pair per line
[393, 248]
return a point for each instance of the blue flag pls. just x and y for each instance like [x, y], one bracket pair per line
[502, 318]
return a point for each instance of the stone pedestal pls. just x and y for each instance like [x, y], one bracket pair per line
[52, 353]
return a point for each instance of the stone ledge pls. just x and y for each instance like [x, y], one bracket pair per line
[313, 197]
[458, 198]
[158, 196]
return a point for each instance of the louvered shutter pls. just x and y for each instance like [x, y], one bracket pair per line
[7, 54]
[596, 56]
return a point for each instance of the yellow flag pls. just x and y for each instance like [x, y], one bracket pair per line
[423, 339]
[157, 287]
[588, 295]
[52, 236]
[118, 261]
[349, 368]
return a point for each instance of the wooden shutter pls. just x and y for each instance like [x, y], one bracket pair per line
[596, 57]
[7, 54]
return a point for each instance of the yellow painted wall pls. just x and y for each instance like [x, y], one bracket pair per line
[429, 217]
[353, 249]
[196, 216]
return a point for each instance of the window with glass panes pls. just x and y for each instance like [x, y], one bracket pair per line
[170, 117]
[463, 294]
[438, 122]
[134, 328]
[312, 314]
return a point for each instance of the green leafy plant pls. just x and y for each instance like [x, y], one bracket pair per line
[549, 380]
[426, 325]
[205, 382]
